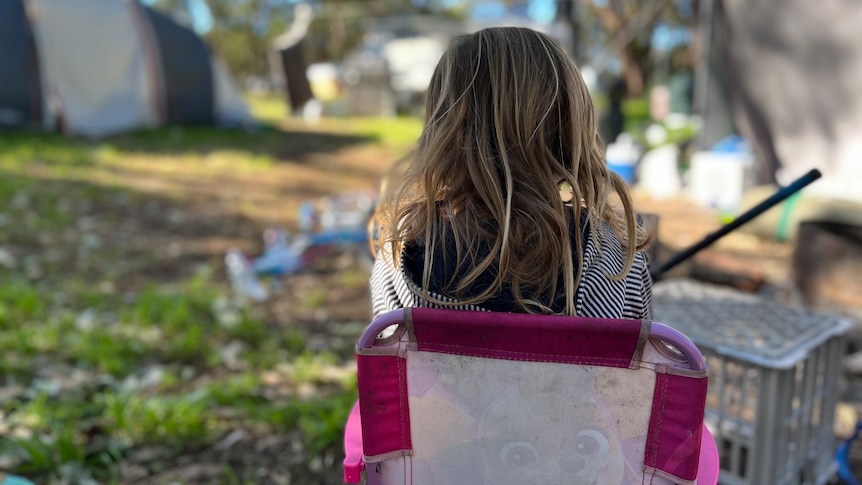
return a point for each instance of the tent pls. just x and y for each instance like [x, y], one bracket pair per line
[786, 75]
[100, 67]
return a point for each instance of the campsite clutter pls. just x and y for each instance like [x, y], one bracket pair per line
[328, 225]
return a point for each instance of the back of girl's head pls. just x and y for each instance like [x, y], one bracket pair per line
[508, 119]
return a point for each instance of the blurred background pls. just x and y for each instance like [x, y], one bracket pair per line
[185, 186]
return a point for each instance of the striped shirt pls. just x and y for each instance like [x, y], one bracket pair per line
[597, 295]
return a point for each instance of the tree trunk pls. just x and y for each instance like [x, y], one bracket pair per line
[337, 32]
[567, 13]
[621, 21]
[632, 72]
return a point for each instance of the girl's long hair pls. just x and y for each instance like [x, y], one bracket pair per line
[507, 120]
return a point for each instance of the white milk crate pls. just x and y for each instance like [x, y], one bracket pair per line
[773, 380]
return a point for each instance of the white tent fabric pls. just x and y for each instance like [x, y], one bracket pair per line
[230, 108]
[793, 75]
[806, 78]
[72, 36]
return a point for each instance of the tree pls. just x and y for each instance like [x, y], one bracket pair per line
[338, 28]
[620, 19]
[629, 25]
[242, 31]
[567, 13]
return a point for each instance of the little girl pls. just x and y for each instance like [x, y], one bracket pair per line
[503, 205]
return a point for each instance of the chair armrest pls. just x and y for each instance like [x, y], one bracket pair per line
[353, 464]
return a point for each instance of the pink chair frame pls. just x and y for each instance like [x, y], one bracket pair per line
[472, 330]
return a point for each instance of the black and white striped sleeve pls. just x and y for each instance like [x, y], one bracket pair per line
[383, 282]
[600, 294]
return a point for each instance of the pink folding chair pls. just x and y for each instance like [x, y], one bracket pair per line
[472, 397]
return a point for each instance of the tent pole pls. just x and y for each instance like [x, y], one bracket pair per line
[782, 194]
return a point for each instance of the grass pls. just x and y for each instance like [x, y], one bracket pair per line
[122, 353]
[176, 333]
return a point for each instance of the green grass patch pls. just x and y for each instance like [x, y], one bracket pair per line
[19, 302]
[178, 422]
[268, 107]
[399, 131]
[18, 150]
[83, 431]
[636, 113]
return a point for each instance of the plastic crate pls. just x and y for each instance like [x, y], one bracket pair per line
[773, 380]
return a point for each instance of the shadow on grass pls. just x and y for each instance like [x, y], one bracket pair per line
[265, 140]
[92, 232]
[262, 141]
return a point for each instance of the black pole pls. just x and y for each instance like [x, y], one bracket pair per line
[755, 211]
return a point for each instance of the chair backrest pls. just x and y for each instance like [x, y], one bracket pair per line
[451, 396]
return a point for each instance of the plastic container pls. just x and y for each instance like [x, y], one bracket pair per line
[773, 380]
[718, 178]
[622, 157]
[658, 174]
[242, 277]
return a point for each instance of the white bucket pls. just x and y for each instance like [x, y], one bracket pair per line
[718, 179]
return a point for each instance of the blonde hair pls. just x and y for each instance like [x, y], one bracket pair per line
[507, 120]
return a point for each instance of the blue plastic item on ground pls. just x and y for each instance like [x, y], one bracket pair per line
[14, 480]
[731, 144]
[627, 172]
[345, 236]
[842, 457]
[622, 158]
[279, 260]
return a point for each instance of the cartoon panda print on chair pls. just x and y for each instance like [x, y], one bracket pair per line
[501, 422]
[547, 441]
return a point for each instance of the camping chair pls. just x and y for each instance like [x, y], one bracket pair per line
[473, 397]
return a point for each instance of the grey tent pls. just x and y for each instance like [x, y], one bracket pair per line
[100, 67]
[20, 86]
[787, 76]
